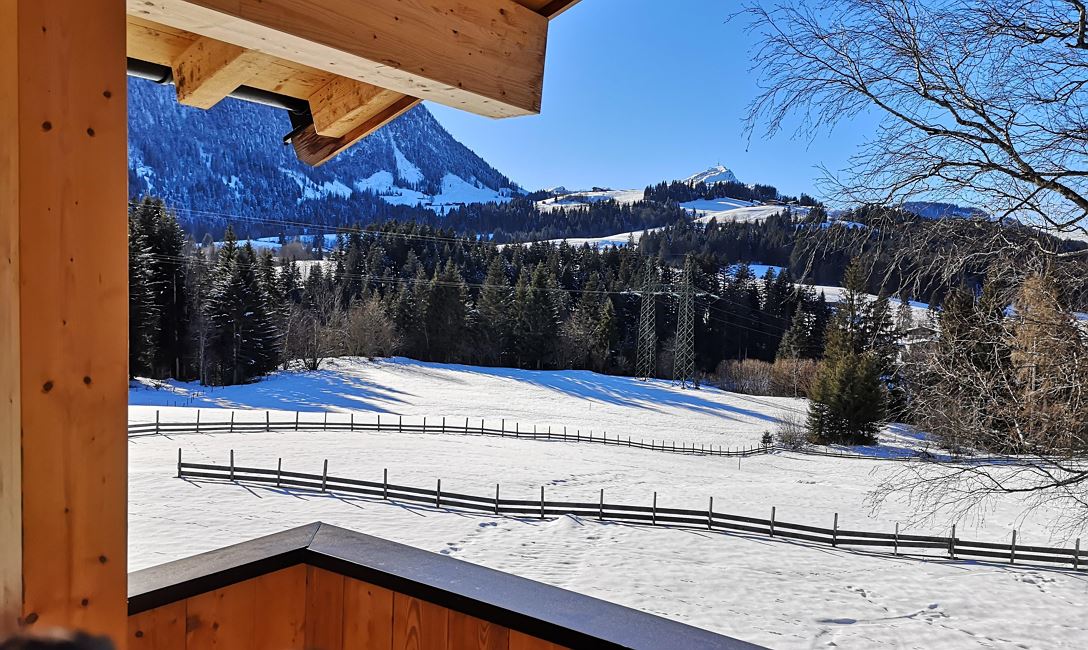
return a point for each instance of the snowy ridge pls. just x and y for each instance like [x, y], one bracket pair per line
[713, 175]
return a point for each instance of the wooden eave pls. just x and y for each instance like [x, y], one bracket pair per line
[358, 64]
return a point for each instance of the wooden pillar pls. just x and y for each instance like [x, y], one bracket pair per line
[63, 316]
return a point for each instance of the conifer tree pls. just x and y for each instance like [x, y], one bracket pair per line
[495, 322]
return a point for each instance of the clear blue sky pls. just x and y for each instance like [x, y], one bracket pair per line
[639, 91]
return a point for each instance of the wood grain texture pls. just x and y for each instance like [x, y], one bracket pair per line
[419, 625]
[548, 8]
[368, 616]
[472, 633]
[485, 56]
[324, 610]
[519, 641]
[281, 609]
[209, 70]
[224, 618]
[162, 628]
[315, 150]
[342, 105]
[66, 151]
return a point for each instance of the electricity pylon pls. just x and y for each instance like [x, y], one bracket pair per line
[683, 370]
[647, 333]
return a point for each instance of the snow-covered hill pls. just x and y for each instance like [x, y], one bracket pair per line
[778, 593]
[715, 174]
[230, 160]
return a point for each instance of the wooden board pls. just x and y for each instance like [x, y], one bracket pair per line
[224, 618]
[281, 609]
[469, 633]
[314, 149]
[519, 641]
[324, 610]
[548, 8]
[419, 625]
[368, 616]
[209, 70]
[484, 56]
[64, 189]
[162, 628]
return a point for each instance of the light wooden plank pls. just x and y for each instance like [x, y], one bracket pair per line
[519, 641]
[281, 609]
[324, 610]
[368, 616]
[223, 618]
[315, 150]
[343, 105]
[162, 628]
[209, 70]
[485, 56]
[64, 189]
[470, 633]
[419, 625]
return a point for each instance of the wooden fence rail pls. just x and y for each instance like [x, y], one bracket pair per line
[951, 546]
[466, 426]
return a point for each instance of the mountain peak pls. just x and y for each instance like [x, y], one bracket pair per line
[716, 174]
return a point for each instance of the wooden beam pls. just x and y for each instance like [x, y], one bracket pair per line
[209, 70]
[485, 56]
[343, 105]
[314, 149]
[548, 8]
[63, 316]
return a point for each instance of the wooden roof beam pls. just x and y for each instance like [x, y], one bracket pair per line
[209, 70]
[343, 104]
[484, 56]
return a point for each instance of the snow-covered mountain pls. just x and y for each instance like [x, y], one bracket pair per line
[230, 160]
[931, 210]
[715, 174]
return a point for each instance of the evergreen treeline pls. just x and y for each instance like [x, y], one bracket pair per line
[683, 192]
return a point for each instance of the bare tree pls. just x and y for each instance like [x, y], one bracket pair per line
[979, 100]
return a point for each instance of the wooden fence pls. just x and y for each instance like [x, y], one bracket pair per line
[898, 543]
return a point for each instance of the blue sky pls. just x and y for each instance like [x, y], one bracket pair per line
[639, 91]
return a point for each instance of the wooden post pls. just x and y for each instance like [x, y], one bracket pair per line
[325, 423]
[600, 511]
[1012, 549]
[324, 474]
[653, 512]
[232, 465]
[443, 424]
[378, 424]
[279, 471]
[541, 501]
[835, 531]
[198, 419]
[773, 508]
[351, 421]
[296, 420]
[502, 428]
[496, 498]
[400, 424]
[1076, 556]
[517, 426]
[466, 426]
[710, 515]
[231, 421]
[385, 483]
[952, 543]
[895, 540]
[424, 428]
[481, 426]
[179, 462]
[438, 495]
[156, 422]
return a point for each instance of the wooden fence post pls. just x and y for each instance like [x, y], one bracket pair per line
[1076, 551]
[179, 462]
[1012, 549]
[502, 428]
[496, 499]
[481, 426]
[541, 501]
[653, 512]
[279, 470]
[600, 511]
[385, 483]
[424, 424]
[710, 515]
[895, 542]
[772, 520]
[267, 421]
[231, 422]
[351, 421]
[443, 424]
[232, 465]
[438, 495]
[198, 419]
[835, 531]
[952, 543]
[400, 424]
[296, 420]
[378, 424]
[324, 474]
[517, 427]
[325, 424]
[466, 426]
[156, 422]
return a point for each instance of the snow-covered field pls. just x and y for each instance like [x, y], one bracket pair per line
[773, 592]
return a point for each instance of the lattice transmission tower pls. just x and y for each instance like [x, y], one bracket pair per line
[683, 370]
[647, 332]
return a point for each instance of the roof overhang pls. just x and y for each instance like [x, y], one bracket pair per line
[357, 64]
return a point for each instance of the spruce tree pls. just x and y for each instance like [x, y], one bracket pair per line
[494, 326]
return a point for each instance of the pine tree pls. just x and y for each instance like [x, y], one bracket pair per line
[143, 311]
[445, 315]
[495, 322]
[537, 325]
[798, 341]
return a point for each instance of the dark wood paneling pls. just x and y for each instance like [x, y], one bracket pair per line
[419, 625]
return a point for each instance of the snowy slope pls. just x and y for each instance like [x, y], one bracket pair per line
[777, 593]
[715, 174]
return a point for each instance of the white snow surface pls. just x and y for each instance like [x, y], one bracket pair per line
[716, 174]
[772, 592]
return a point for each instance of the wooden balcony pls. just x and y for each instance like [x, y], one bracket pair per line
[320, 587]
